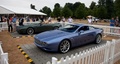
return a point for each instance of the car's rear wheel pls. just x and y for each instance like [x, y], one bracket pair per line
[64, 46]
[30, 31]
[98, 39]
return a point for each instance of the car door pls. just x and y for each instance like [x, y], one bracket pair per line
[88, 35]
[43, 27]
[85, 35]
[46, 27]
[81, 37]
[38, 28]
[91, 34]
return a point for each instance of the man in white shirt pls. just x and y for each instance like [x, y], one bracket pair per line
[70, 20]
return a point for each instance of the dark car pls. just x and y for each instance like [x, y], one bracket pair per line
[37, 28]
[70, 36]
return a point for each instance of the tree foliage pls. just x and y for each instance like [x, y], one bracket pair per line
[102, 12]
[46, 10]
[66, 12]
[110, 8]
[104, 9]
[57, 5]
[117, 7]
[57, 10]
[92, 5]
[80, 12]
[69, 5]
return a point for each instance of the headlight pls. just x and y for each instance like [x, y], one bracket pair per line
[43, 44]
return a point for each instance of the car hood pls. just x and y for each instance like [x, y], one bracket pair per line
[50, 35]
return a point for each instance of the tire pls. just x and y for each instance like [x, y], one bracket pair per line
[56, 28]
[30, 31]
[98, 39]
[64, 46]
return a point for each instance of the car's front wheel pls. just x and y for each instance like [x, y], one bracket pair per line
[98, 39]
[64, 46]
[30, 31]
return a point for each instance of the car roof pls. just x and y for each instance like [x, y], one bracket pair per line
[80, 25]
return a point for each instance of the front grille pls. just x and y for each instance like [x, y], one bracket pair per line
[40, 42]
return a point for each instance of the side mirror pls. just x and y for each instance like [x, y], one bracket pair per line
[82, 31]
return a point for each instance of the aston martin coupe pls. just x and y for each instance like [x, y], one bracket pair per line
[37, 28]
[65, 38]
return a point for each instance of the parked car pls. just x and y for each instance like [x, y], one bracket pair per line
[70, 36]
[37, 28]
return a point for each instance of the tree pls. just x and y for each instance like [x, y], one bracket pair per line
[69, 5]
[80, 12]
[57, 5]
[95, 9]
[110, 8]
[117, 7]
[46, 10]
[32, 6]
[66, 12]
[102, 2]
[75, 6]
[57, 10]
[102, 12]
[92, 5]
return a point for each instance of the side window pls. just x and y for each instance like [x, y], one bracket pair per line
[91, 28]
[84, 28]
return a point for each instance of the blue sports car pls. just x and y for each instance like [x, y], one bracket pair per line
[70, 36]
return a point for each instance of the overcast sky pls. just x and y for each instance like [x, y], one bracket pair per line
[39, 4]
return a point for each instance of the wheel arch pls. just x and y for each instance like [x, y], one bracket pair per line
[99, 34]
[96, 36]
[30, 27]
[65, 39]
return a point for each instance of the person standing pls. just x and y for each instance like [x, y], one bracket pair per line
[70, 20]
[0, 22]
[42, 19]
[14, 19]
[89, 20]
[112, 24]
[49, 19]
[10, 28]
[0, 18]
[63, 21]
[117, 22]
[21, 21]
[58, 19]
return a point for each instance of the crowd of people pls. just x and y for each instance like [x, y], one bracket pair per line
[12, 19]
[61, 19]
[115, 22]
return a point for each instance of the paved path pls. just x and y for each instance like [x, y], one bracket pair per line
[41, 57]
[17, 35]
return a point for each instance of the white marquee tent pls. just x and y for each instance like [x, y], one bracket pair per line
[18, 10]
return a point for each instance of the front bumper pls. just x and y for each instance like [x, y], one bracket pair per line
[50, 48]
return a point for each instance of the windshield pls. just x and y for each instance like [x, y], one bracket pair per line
[69, 28]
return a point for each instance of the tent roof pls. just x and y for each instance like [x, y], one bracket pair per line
[18, 10]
